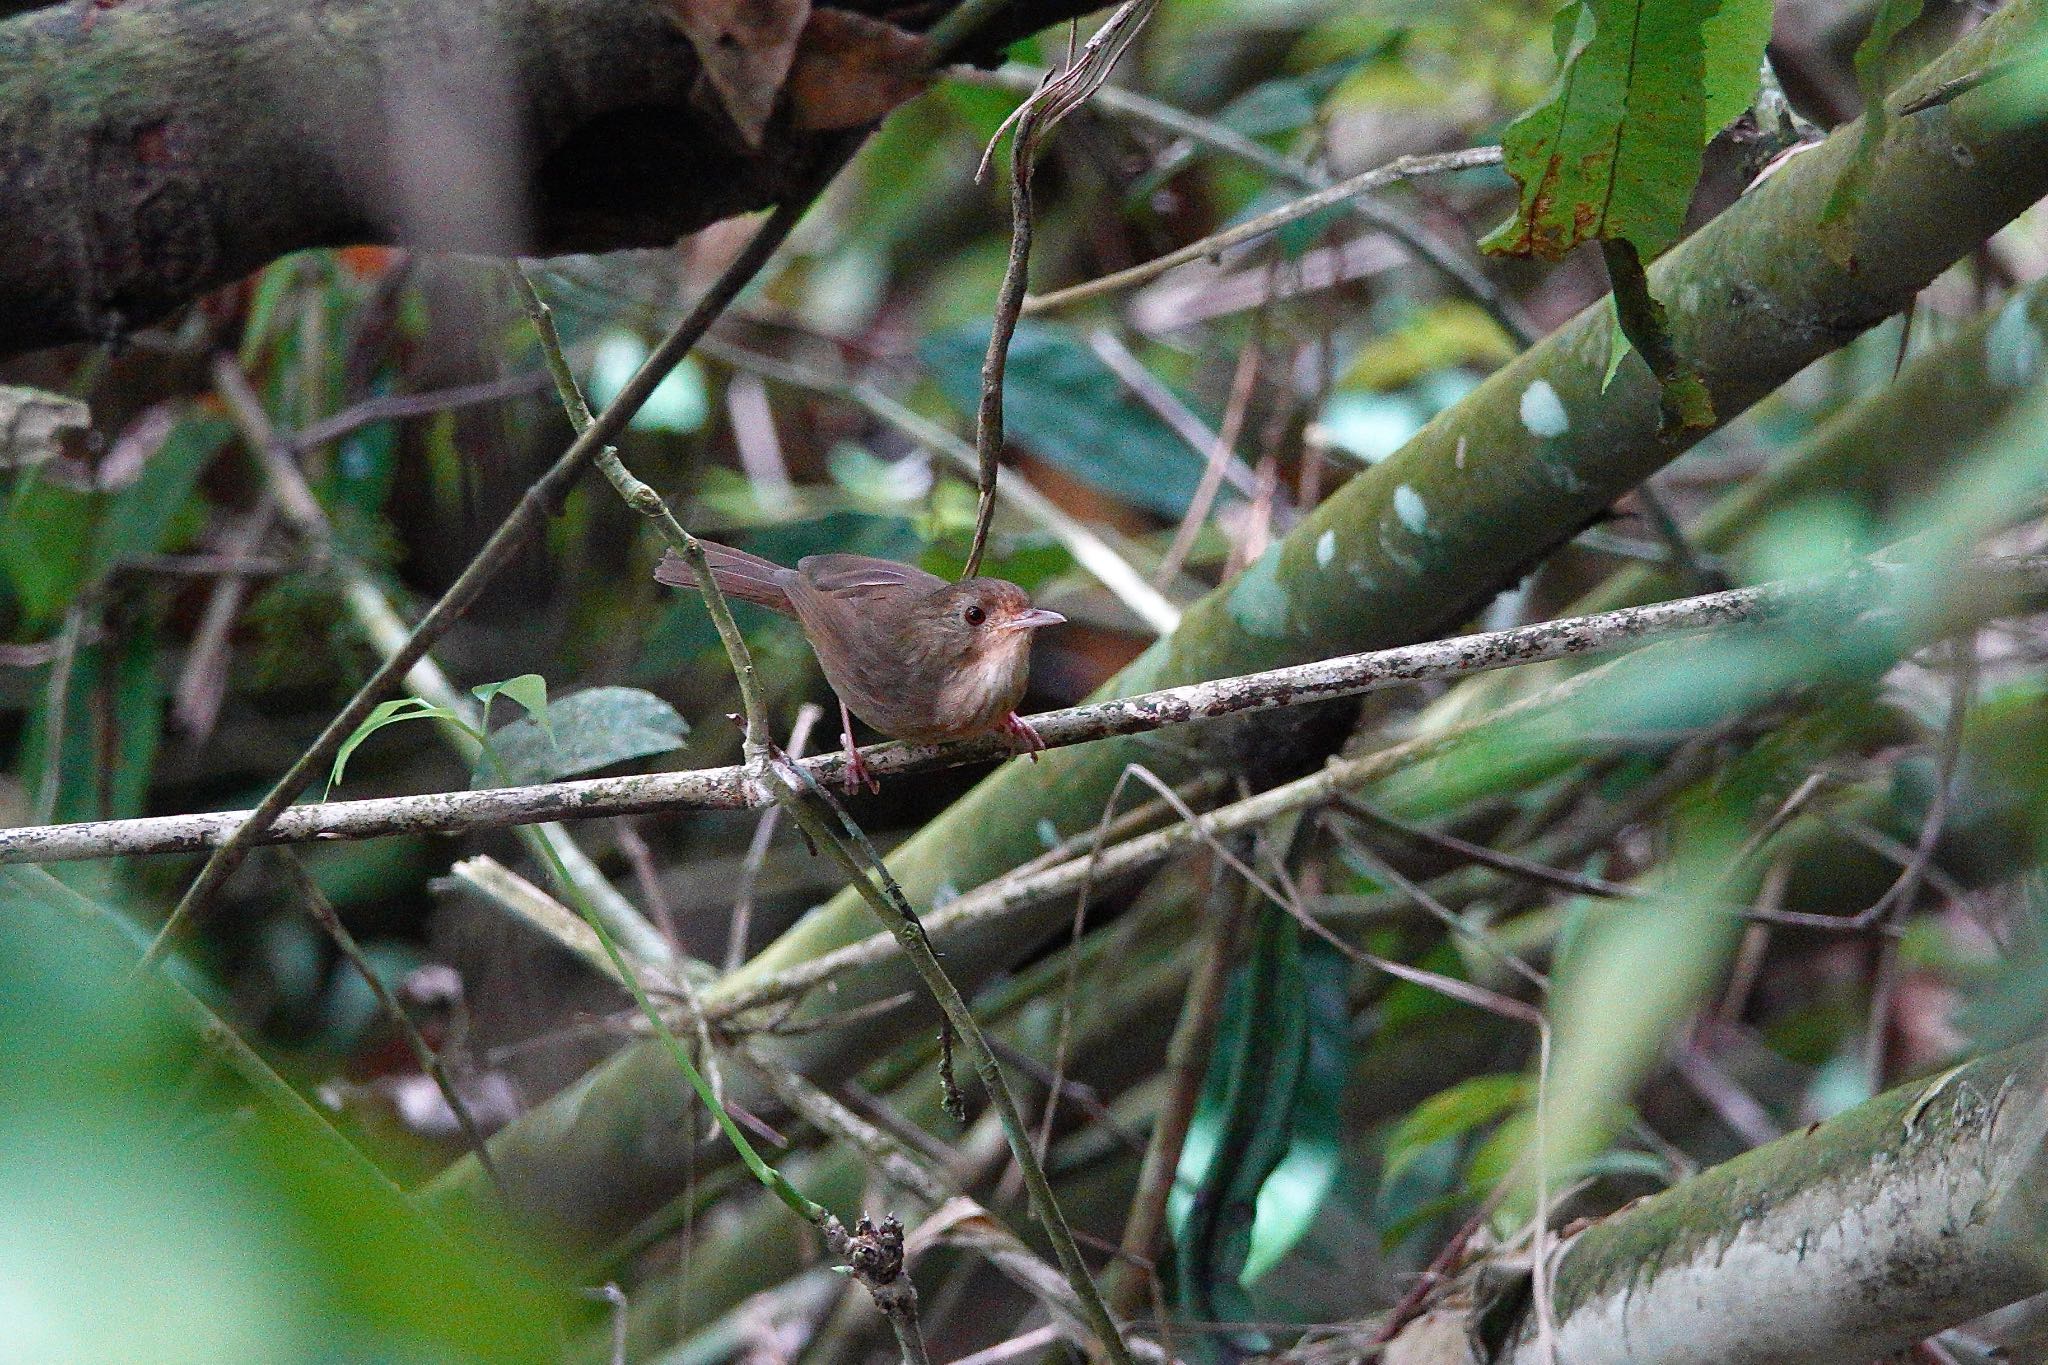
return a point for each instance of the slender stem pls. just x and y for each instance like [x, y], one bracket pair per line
[893, 910]
[56, 709]
[1396, 223]
[648, 503]
[988, 421]
[505, 542]
[741, 926]
[1401, 168]
[323, 913]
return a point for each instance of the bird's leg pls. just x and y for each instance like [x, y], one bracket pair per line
[1021, 736]
[857, 774]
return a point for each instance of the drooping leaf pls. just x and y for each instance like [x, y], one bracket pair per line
[1264, 1073]
[1296, 1191]
[390, 713]
[1736, 35]
[1614, 151]
[589, 730]
[1874, 76]
[1063, 404]
[34, 426]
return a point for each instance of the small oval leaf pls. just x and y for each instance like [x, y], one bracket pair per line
[591, 729]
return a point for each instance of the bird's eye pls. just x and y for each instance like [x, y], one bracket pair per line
[975, 616]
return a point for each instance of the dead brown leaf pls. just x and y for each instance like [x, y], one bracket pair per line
[746, 47]
[851, 70]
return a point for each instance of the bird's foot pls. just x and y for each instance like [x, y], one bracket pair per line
[857, 774]
[1023, 739]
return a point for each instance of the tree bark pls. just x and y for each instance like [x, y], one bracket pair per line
[152, 152]
[1915, 1212]
[1403, 552]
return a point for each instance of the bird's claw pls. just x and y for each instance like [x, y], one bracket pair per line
[1023, 739]
[857, 774]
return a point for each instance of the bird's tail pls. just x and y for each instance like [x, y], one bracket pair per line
[750, 578]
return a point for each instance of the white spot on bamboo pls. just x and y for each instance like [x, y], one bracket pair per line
[1543, 411]
[1411, 509]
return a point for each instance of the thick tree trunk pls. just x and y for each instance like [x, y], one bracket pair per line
[1403, 552]
[151, 152]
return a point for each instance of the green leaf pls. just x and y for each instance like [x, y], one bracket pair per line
[1062, 403]
[1873, 78]
[140, 520]
[1294, 1195]
[46, 541]
[591, 729]
[530, 690]
[1686, 404]
[1273, 1083]
[112, 718]
[1736, 35]
[1614, 151]
[55, 539]
[1453, 1113]
[1287, 104]
[391, 713]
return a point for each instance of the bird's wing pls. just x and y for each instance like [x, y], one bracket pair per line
[852, 577]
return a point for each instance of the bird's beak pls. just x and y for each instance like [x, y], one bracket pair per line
[1034, 618]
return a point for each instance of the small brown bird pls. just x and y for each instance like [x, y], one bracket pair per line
[914, 656]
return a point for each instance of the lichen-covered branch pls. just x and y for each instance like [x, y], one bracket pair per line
[731, 788]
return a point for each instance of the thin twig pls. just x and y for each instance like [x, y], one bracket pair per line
[202, 683]
[644, 500]
[1401, 168]
[1222, 455]
[1034, 119]
[741, 927]
[526, 517]
[323, 913]
[1396, 223]
[1577, 883]
[878, 888]
[1382, 870]
[399, 407]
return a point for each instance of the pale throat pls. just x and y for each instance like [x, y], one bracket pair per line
[991, 685]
